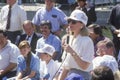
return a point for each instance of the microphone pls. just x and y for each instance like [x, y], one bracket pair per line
[67, 41]
[68, 32]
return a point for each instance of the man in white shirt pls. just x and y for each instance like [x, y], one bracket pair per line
[8, 56]
[12, 15]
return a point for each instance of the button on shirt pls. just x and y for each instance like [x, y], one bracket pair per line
[56, 16]
[18, 16]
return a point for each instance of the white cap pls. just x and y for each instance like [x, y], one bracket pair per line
[47, 49]
[79, 15]
[110, 62]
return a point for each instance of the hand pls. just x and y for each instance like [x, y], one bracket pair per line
[68, 49]
[1, 72]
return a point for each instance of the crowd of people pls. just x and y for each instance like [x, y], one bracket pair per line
[35, 50]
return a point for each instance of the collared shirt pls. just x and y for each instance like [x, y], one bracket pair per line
[56, 16]
[34, 65]
[8, 54]
[52, 40]
[84, 48]
[29, 38]
[18, 16]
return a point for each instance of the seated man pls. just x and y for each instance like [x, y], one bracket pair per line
[29, 35]
[49, 38]
[8, 56]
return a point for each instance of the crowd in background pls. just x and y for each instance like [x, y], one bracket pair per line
[38, 49]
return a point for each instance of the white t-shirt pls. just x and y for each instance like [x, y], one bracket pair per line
[8, 54]
[84, 48]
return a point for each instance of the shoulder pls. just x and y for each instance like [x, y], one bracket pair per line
[57, 10]
[20, 58]
[34, 56]
[4, 7]
[86, 39]
[13, 46]
[40, 10]
[54, 37]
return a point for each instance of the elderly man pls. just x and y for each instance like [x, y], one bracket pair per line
[30, 35]
[8, 56]
[12, 18]
[56, 16]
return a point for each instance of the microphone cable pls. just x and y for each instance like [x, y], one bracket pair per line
[63, 60]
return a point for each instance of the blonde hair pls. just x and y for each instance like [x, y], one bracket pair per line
[84, 31]
[117, 75]
[24, 44]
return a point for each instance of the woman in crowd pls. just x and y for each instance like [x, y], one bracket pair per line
[28, 63]
[79, 51]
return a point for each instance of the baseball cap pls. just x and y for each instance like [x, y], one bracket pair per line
[78, 15]
[110, 62]
[46, 49]
[74, 76]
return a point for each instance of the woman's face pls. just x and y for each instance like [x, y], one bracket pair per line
[75, 26]
[24, 51]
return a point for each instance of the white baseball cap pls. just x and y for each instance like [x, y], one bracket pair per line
[46, 49]
[79, 15]
[109, 61]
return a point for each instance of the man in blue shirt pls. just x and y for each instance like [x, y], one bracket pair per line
[49, 38]
[55, 15]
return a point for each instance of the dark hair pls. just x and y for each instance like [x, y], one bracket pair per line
[96, 28]
[3, 32]
[102, 73]
[46, 22]
[109, 44]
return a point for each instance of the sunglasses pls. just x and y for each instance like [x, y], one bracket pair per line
[73, 21]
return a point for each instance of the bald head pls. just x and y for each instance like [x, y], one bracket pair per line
[28, 27]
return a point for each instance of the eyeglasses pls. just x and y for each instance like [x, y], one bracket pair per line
[73, 21]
